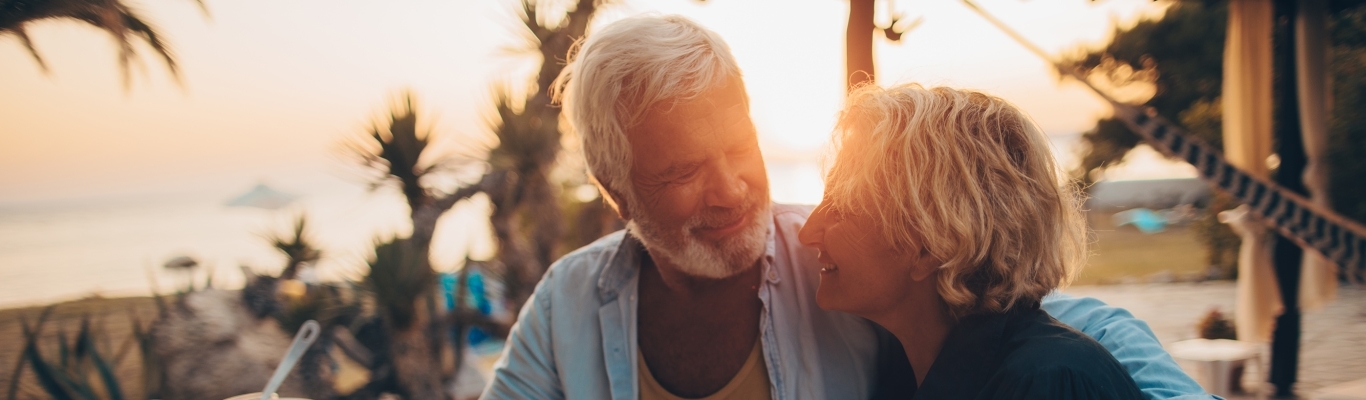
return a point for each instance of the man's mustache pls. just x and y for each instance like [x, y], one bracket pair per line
[716, 217]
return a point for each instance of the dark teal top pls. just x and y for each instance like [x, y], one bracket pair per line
[1023, 354]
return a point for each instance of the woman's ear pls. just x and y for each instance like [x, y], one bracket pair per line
[924, 265]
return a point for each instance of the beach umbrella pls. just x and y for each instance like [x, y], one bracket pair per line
[181, 263]
[262, 196]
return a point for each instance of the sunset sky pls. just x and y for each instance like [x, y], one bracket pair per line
[271, 87]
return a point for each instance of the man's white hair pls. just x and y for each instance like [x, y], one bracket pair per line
[623, 71]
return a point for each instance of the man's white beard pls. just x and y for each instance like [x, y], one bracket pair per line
[695, 257]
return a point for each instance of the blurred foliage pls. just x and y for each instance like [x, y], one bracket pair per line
[1181, 56]
[520, 181]
[1204, 119]
[1347, 123]
[114, 17]
[1215, 325]
[398, 277]
[330, 305]
[527, 217]
[298, 249]
[401, 282]
[588, 219]
[396, 152]
[1221, 244]
[152, 376]
[79, 370]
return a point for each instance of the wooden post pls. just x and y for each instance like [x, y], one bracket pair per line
[858, 44]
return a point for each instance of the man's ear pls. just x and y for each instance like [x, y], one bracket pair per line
[614, 199]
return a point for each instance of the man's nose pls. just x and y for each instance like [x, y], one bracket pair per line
[728, 189]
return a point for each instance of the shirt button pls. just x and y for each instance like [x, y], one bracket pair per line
[772, 274]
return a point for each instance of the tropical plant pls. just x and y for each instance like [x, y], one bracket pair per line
[526, 216]
[1216, 325]
[114, 17]
[1178, 59]
[1180, 56]
[1346, 144]
[401, 278]
[79, 371]
[527, 219]
[152, 376]
[401, 281]
[397, 154]
[298, 249]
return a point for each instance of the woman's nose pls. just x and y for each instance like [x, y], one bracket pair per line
[813, 232]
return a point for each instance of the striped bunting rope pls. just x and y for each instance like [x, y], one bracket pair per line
[1295, 217]
[1307, 224]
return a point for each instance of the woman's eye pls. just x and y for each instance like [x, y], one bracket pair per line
[834, 214]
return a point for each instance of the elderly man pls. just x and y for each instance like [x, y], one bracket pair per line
[707, 293]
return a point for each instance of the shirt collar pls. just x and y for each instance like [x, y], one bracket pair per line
[621, 266]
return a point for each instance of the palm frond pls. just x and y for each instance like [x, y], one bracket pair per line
[151, 362]
[396, 152]
[524, 141]
[297, 248]
[114, 17]
[28, 44]
[85, 351]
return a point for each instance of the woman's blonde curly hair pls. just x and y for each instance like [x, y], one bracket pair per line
[968, 177]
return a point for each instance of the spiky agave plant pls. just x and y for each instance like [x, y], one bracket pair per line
[114, 17]
[80, 371]
[400, 281]
[397, 153]
[297, 248]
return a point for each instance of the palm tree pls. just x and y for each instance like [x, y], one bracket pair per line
[526, 218]
[401, 281]
[401, 278]
[298, 249]
[397, 154]
[113, 16]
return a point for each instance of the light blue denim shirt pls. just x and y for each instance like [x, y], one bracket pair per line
[576, 336]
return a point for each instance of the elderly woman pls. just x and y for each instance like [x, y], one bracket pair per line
[945, 221]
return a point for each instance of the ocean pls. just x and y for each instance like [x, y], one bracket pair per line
[116, 246]
[69, 249]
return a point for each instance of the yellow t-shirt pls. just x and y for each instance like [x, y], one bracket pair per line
[750, 383]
